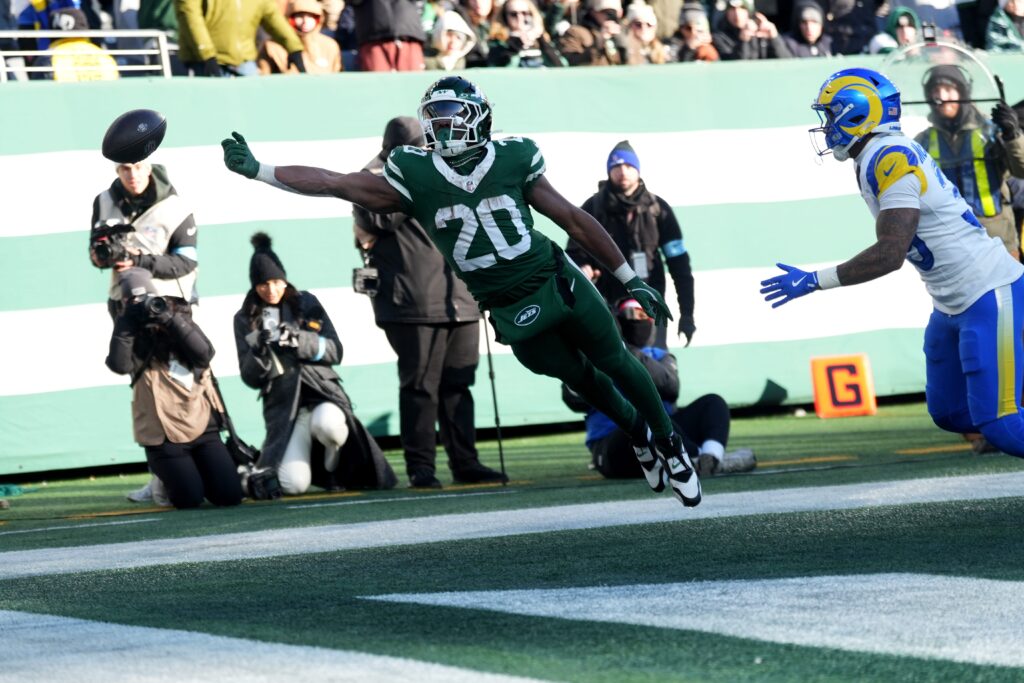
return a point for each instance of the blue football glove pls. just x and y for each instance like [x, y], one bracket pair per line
[792, 284]
[649, 299]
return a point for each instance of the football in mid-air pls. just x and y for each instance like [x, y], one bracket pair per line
[134, 135]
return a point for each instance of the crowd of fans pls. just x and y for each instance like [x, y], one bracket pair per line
[250, 37]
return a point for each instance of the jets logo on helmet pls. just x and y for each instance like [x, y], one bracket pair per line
[851, 104]
[455, 115]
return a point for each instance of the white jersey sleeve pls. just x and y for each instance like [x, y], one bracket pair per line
[955, 257]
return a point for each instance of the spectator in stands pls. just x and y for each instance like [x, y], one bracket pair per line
[692, 43]
[642, 44]
[667, 13]
[8, 22]
[851, 24]
[902, 27]
[598, 39]
[1005, 32]
[452, 39]
[159, 15]
[432, 324]
[480, 17]
[75, 59]
[519, 39]
[942, 13]
[703, 424]
[389, 34]
[36, 16]
[218, 37]
[807, 38]
[974, 17]
[175, 408]
[559, 15]
[286, 345]
[644, 227]
[320, 54]
[743, 33]
[957, 132]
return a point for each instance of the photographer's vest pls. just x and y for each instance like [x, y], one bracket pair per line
[978, 176]
[153, 231]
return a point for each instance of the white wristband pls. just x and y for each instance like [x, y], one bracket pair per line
[829, 278]
[266, 175]
[624, 273]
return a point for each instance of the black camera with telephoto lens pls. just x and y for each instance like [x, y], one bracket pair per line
[109, 242]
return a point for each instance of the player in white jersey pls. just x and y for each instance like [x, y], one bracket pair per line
[973, 346]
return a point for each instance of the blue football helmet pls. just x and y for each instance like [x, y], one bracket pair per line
[851, 104]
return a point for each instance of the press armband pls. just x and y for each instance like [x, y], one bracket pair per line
[828, 278]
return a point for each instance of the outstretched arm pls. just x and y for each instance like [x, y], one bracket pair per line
[894, 231]
[588, 233]
[365, 189]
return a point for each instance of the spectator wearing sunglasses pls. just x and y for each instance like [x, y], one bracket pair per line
[519, 38]
[642, 44]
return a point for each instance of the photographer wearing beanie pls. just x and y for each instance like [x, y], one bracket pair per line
[644, 228]
[175, 408]
[286, 346]
[703, 424]
[977, 154]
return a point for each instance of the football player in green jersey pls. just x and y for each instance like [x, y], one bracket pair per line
[474, 195]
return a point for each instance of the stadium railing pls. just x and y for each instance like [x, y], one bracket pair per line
[155, 46]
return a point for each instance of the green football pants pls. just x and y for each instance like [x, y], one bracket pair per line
[586, 352]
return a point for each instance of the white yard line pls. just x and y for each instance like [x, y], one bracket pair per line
[45, 529]
[297, 541]
[40, 648]
[955, 618]
[418, 499]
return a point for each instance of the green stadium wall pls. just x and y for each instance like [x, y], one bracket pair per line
[725, 144]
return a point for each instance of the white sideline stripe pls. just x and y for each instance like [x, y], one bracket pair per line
[46, 529]
[456, 527]
[897, 614]
[40, 648]
[732, 312]
[410, 499]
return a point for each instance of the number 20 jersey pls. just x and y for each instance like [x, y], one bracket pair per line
[957, 260]
[480, 221]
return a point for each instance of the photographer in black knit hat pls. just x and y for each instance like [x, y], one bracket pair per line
[286, 347]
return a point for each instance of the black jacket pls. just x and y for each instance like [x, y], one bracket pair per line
[134, 343]
[362, 462]
[416, 284]
[387, 20]
[646, 236]
[726, 40]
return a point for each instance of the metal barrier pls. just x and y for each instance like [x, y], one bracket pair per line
[158, 49]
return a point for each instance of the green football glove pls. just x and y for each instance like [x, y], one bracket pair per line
[649, 299]
[238, 157]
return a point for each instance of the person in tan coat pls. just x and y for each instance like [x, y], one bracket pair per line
[320, 54]
[175, 407]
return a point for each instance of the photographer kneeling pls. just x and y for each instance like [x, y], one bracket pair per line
[174, 405]
[286, 346]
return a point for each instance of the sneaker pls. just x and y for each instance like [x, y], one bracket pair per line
[740, 460]
[160, 496]
[478, 473]
[143, 494]
[651, 464]
[681, 474]
[423, 479]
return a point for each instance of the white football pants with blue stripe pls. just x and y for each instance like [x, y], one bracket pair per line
[975, 364]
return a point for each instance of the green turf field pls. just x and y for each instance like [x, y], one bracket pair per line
[862, 549]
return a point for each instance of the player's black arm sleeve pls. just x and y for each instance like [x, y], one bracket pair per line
[173, 265]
